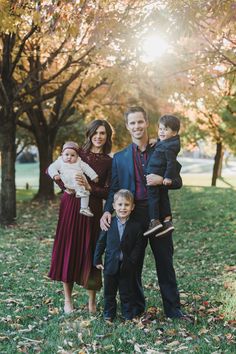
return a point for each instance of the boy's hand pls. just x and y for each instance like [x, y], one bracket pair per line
[167, 181]
[99, 266]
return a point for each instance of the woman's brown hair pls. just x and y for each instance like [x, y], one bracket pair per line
[91, 130]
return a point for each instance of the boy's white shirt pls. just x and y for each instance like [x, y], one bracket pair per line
[65, 169]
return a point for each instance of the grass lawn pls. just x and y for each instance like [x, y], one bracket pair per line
[31, 316]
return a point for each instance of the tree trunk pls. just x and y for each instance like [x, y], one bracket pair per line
[46, 187]
[8, 156]
[219, 173]
[216, 167]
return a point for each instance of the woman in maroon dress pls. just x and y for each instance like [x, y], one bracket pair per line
[76, 234]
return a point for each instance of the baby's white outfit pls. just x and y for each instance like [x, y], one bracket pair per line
[67, 172]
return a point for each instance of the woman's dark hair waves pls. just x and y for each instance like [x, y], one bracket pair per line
[91, 130]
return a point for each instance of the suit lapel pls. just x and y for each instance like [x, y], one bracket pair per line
[126, 231]
[128, 155]
[115, 231]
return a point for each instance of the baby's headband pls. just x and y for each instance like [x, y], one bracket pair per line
[70, 145]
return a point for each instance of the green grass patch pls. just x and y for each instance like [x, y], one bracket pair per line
[23, 195]
[31, 316]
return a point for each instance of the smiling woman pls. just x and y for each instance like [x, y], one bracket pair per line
[153, 47]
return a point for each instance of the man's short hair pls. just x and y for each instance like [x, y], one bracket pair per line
[135, 109]
[124, 193]
[171, 122]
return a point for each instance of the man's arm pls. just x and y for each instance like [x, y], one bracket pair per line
[105, 220]
[156, 180]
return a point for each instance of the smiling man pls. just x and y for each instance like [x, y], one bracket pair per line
[129, 172]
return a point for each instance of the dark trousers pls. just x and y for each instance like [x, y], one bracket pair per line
[158, 202]
[162, 248]
[122, 281]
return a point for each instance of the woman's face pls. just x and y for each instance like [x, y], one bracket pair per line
[99, 138]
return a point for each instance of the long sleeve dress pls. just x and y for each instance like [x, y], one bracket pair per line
[76, 234]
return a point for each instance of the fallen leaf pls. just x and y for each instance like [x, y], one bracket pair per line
[137, 348]
[203, 331]
[2, 338]
[173, 344]
[84, 324]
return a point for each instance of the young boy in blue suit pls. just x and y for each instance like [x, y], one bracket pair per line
[123, 244]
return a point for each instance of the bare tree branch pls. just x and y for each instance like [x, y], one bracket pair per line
[21, 48]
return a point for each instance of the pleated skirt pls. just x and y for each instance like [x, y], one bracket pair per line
[72, 254]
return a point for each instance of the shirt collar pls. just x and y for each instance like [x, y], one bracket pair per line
[118, 219]
[135, 146]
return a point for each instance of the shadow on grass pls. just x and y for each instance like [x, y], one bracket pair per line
[222, 179]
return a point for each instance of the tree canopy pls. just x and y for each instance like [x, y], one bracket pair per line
[64, 63]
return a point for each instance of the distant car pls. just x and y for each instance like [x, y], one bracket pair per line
[26, 157]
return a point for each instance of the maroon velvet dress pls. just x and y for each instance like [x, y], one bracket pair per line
[76, 234]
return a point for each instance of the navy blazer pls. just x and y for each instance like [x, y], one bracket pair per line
[130, 245]
[123, 175]
[163, 160]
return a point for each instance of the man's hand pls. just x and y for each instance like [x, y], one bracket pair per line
[99, 266]
[167, 182]
[105, 221]
[154, 180]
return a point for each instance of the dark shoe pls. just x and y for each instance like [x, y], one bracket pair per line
[154, 225]
[187, 318]
[167, 227]
[127, 319]
[138, 311]
[182, 317]
[108, 319]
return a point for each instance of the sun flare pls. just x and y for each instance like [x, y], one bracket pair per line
[153, 47]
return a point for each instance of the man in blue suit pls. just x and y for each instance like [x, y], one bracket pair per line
[128, 171]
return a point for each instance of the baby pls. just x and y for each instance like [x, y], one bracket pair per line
[66, 167]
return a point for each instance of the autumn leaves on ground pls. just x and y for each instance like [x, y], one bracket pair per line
[31, 317]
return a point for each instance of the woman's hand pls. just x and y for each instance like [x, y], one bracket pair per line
[57, 178]
[154, 180]
[82, 181]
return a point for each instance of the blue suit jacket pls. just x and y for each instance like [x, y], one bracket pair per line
[123, 175]
[130, 245]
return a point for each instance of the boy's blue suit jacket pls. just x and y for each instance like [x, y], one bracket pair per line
[123, 174]
[130, 245]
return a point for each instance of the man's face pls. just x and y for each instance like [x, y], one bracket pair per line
[137, 125]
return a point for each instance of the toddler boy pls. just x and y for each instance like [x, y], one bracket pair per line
[163, 163]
